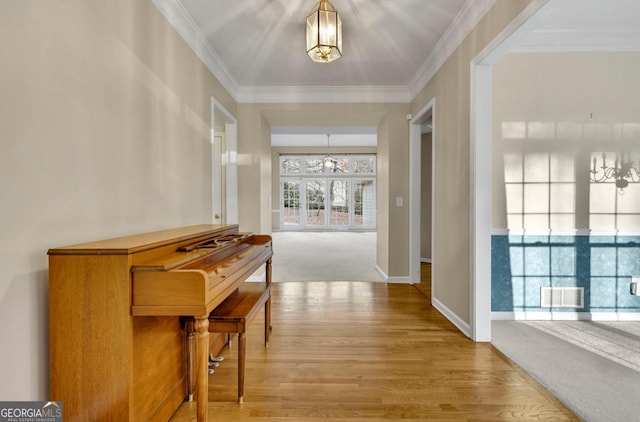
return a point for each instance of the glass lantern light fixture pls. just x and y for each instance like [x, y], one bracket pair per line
[324, 33]
[329, 161]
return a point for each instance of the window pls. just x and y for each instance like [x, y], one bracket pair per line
[313, 196]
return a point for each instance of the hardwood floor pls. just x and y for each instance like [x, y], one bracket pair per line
[359, 351]
[425, 281]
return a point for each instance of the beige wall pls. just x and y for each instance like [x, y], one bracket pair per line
[397, 173]
[104, 131]
[425, 197]
[255, 170]
[568, 104]
[451, 197]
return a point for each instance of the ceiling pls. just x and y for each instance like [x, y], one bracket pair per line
[256, 48]
[581, 25]
[262, 42]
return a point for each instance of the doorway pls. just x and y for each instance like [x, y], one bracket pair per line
[422, 129]
[224, 165]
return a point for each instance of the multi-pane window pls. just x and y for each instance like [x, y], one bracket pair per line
[314, 195]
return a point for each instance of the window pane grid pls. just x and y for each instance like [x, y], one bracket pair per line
[314, 164]
[312, 197]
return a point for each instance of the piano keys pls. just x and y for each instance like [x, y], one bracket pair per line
[117, 343]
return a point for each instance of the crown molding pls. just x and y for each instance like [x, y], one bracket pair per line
[463, 23]
[556, 40]
[178, 17]
[323, 94]
[185, 26]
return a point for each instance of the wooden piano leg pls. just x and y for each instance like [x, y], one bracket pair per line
[201, 326]
[242, 341]
[267, 321]
[191, 358]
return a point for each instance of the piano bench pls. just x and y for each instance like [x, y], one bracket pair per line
[236, 313]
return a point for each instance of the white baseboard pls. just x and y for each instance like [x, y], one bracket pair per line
[448, 313]
[387, 279]
[451, 316]
[382, 274]
[426, 260]
[565, 316]
[400, 280]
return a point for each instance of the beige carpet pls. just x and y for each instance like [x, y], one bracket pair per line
[573, 360]
[324, 256]
[617, 341]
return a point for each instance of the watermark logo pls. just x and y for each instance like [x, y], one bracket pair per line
[30, 411]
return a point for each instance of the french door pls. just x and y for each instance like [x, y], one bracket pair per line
[319, 194]
[327, 203]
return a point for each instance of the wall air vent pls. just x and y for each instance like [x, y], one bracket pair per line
[562, 297]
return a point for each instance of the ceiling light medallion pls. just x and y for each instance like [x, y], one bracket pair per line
[324, 33]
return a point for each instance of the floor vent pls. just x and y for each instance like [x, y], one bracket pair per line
[562, 297]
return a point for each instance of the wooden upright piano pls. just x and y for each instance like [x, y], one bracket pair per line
[118, 348]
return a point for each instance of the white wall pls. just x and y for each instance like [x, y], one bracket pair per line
[568, 105]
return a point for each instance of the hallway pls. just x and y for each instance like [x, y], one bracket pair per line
[363, 352]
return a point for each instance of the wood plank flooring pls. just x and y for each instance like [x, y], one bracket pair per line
[359, 351]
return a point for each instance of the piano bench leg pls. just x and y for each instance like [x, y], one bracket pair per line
[242, 342]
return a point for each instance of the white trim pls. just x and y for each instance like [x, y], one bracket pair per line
[396, 280]
[565, 316]
[480, 184]
[231, 161]
[425, 260]
[461, 26]
[500, 232]
[231, 129]
[563, 232]
[480, 146]
[626, 44]
[615, 232]
[509, 36]
[178, 17]
[415, 147]
[228, 117]
[399, 280]
[451, 316]
[323, 94]
[577, 48]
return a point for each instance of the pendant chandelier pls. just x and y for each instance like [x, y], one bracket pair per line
[623, 172]
[324, 33]
[329, 161]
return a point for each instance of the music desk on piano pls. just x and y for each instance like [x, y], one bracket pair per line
[117, 343]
